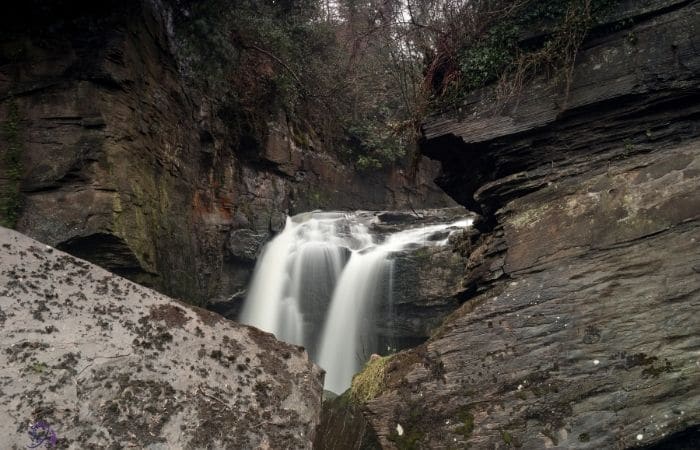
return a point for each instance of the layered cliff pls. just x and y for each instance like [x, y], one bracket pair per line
[117, 159]
[583, 329]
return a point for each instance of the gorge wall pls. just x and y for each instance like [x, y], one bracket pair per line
[122, 163]
[582, 329]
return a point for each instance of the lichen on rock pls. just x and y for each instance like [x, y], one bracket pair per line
[108, 363]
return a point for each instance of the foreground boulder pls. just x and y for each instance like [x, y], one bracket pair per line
[105, 363]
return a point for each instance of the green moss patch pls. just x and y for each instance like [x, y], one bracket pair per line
[507, 437]
[467, 424]
[369, 383]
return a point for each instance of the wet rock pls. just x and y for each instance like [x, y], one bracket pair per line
[427, 286]
[344, 427]
[581, 328]
[427, 281]
[104, 362]
[421, 216]
[246, 244]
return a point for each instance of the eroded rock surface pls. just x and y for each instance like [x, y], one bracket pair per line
[583, 329]
[591, 336]
[108, 363]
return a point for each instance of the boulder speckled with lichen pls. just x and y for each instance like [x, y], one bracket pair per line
[108, 363]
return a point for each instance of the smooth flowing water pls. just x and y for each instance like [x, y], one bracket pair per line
[318, 283]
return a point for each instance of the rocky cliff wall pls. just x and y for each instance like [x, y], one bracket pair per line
[124, 164]
[583, 329]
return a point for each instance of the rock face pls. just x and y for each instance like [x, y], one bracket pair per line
[122, 161]
[107, 363]
[427, 282]
[582, 330]
[344, 427]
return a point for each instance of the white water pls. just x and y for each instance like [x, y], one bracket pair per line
[346, 341]
[318, 283]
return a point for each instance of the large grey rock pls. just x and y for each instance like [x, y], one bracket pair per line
[107, 363]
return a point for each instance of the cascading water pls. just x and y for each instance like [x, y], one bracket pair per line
[346, 341]
[294, 278]
[318, 283]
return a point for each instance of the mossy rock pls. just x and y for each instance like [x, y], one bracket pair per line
[369, 383]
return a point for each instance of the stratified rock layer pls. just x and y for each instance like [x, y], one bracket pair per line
[107, 363]
[583, 330]
[122, 161]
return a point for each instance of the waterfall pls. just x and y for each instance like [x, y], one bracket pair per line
[346, 341]
[294, 279]
[263, 304]
[319, 282]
